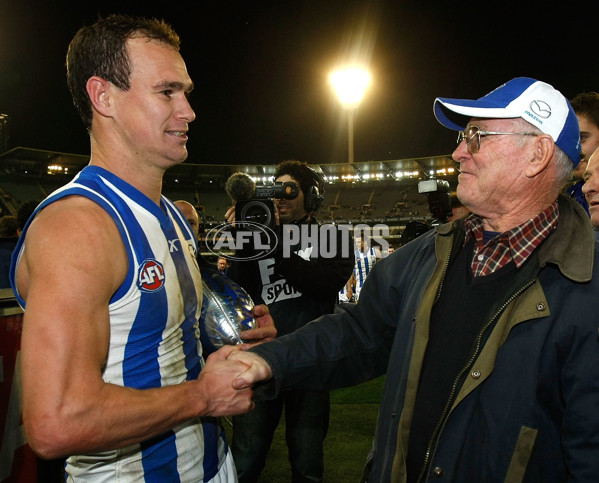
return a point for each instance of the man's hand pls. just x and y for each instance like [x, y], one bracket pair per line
[230, 215]
[257, 368]
[264, 331]
[220, 392]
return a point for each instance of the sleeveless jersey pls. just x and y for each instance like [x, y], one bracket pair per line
[364, 263]
[154, 333]
[343, 296]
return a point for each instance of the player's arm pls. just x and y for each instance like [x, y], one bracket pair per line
[73, 262]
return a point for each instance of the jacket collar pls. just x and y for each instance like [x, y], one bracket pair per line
[570, 247]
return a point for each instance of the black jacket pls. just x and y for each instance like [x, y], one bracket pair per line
[301, 279]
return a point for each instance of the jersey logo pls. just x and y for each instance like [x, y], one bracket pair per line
[151, 276]
[172, 245]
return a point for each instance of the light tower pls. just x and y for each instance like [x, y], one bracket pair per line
[350, 85]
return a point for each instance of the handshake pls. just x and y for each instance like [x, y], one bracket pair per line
[229, 374]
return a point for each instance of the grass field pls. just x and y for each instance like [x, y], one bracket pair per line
[353, 420]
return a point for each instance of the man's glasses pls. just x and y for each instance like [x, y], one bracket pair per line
[473, 134]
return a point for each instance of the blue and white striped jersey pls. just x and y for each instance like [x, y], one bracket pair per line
[154, 333]
[364, 263]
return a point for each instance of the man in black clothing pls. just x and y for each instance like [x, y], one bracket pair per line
[299, 282]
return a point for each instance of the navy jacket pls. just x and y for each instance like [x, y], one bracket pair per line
[527, 408]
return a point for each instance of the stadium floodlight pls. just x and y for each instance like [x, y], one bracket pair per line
[350, 85]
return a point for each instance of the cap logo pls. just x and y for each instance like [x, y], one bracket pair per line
[541, 109]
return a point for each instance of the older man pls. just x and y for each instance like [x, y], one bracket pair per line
[486, 327]
[591, 187]
[190, 214]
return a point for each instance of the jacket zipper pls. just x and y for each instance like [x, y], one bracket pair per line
[459, 377]
[442, 278]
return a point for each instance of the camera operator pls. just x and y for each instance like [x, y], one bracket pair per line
[299, 284]
[439, 199]
[440, 205]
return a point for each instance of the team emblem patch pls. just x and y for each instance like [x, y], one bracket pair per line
[151, 276]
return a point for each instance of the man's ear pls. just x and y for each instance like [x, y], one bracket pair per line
[99, 91]
[543, 153]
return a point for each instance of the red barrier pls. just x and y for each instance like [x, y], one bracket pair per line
[17, 461]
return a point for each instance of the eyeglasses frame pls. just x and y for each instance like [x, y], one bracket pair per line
[479, 133]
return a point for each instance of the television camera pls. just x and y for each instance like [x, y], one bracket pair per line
[254, 203]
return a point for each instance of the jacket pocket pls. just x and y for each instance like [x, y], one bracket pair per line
[522, 452]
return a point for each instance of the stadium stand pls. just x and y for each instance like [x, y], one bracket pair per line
[372, 192]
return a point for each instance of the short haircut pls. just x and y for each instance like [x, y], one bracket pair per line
[299, 171]
[100, 50]
[587, 104]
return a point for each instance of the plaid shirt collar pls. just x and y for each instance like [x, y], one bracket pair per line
[516, 244]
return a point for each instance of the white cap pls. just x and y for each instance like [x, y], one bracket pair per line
[532, 100]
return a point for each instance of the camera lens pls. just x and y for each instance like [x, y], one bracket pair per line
[256, 212]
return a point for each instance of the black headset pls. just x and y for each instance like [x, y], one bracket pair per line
[313, 198]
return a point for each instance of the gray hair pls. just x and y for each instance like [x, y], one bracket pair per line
[563, 163]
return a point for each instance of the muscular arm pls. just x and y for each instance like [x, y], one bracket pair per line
[73, 262]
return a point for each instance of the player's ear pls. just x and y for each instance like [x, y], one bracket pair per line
[99, 92]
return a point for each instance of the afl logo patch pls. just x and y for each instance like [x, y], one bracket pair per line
[151, 276]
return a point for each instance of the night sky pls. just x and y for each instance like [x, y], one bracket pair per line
[261, 70]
